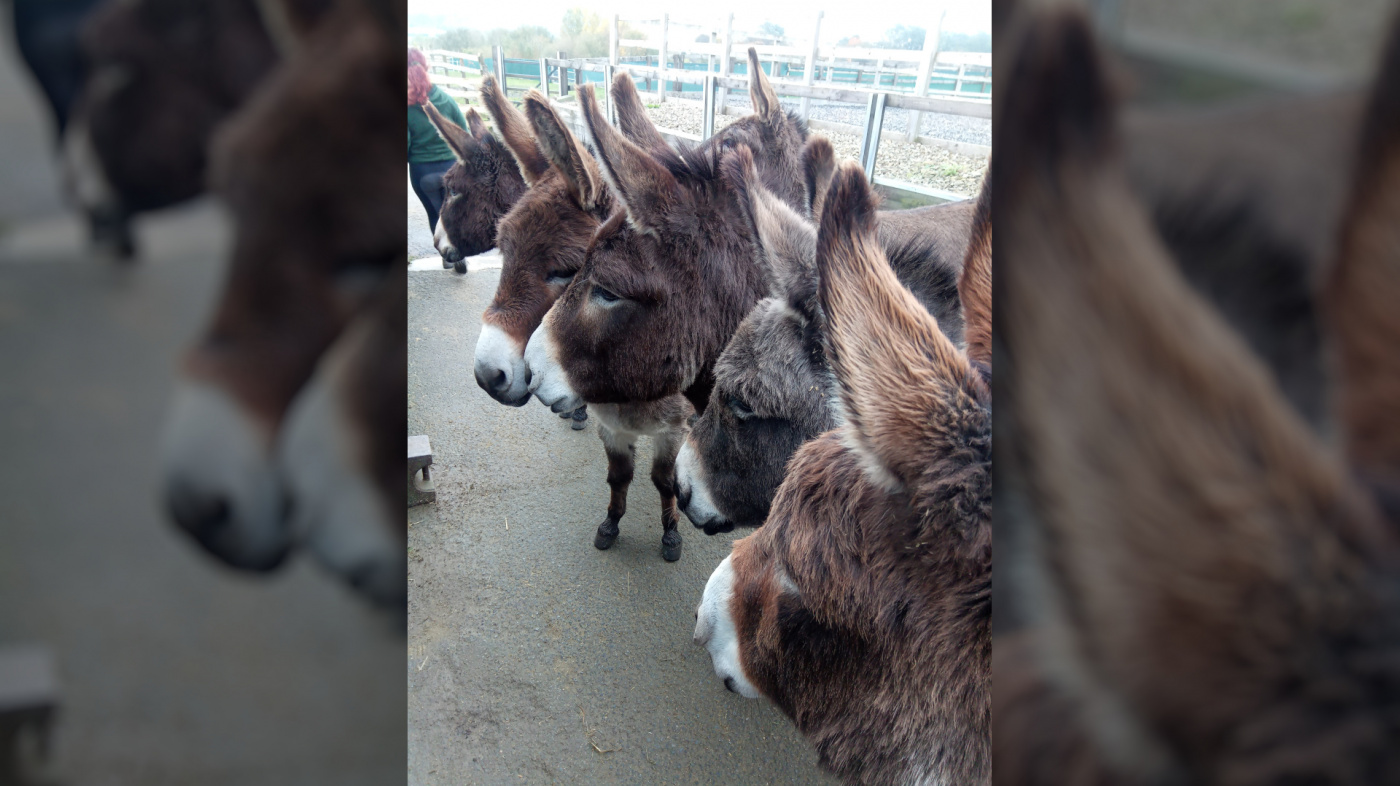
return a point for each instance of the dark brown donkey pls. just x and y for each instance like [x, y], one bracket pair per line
[544, 237]
[304, 170]
[773, 387]
[862, 608]
[164, 75]
[481, 187]
[1216, 585]
[543, 240]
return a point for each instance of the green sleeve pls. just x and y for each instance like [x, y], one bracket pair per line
[455, 112]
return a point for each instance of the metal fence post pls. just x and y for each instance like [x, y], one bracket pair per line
[544, 77]
[499, 53]
[933, 42]
[608, 75]
[870, 141]
[707, 128]
[810, 72]
[661, 59]
[614, 36]
[724, 62]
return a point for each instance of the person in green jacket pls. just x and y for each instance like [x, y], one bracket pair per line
[429, 157]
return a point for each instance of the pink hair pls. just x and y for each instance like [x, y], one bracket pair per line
[418, 82]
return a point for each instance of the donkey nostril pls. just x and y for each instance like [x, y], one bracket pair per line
[729, 684]
[197, 514]
[498, 381]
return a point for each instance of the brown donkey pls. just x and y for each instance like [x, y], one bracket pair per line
[165, 74]
[543, 239]
[304, 170]
[862, 608]
[1214, 585]
[773, 387]
[481, 187]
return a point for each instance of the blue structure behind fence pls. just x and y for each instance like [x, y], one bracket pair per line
[940, 79]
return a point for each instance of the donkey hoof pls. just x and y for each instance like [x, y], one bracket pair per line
[607, 535]
[460, 266]
[580, 417]
[671, 546]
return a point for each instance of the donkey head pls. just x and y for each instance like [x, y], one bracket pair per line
[542, 239]
[775, 136]
[163, 75]
[481, 187]
[1215, 589]
[313, 238]
[772, 383]
[862, 607]
[664, 284]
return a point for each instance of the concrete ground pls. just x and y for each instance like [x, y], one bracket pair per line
[533, 657]
[174, 670]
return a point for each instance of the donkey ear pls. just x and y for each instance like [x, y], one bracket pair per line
[1364, 286]
[632, 117]
[1190, 537]
[451, 133]
[563, 150]
[975, 285]
[646, 189]
[818, 165]
[761, 93]
[515, 129]
[911, 400]
[786, 244]
[476, 125]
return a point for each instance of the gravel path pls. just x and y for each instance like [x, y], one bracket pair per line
[916, 163]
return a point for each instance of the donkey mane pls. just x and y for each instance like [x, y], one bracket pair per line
[700, 161]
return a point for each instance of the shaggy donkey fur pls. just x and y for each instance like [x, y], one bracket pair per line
[481, 187]
[664, 290]
[1216, 592]
[862, 608]
[164, 74]
[314, 238]
[773, 387]
[543, 239]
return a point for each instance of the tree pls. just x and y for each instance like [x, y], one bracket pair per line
[904, 37]
[771, 29]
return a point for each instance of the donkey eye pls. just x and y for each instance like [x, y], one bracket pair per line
[727, 144]
[560, 277]
[739, 408]
[451, 192]
[604, 295]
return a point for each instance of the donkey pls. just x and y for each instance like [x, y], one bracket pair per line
[304, 170]
[531, 282]
[773, 386]
[664, 284]
[162, 76]
[339, 452]
[862, 608]
[482, 186]
[544, 237]
[1214, 583]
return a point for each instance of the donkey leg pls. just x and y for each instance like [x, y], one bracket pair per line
[663, 476]
[621, 450]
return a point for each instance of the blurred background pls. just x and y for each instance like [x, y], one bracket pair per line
[136, 656]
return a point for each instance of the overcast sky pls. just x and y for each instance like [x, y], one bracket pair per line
[867, 18]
